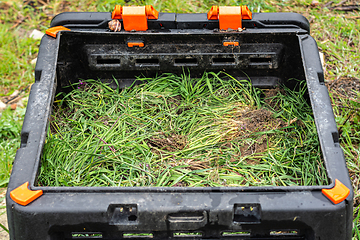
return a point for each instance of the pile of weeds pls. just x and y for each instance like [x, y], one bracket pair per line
[181, 131]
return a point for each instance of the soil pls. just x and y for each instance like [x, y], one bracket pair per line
[258, 121]
[345, 87]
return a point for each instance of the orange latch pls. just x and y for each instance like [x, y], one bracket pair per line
[117, 13]
[23, 195]
[229, 17]
[54, 30]
[135, 44]
[234, 43]
[338, 193]
[151, 12]
[246, 13]
[135, 18]
[213, 14]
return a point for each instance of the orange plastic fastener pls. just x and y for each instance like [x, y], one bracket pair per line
[134, 18]
[23, 195]
[231, 44]
[54, 30]
[213, 14]
[338, 193]
[245, 13]
[229, 17]
[117, 13]
[135, 44]
[151, 12]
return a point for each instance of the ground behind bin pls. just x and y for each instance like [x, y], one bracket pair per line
[3, 220]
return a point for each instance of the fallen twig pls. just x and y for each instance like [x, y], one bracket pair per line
[353, 17]
[346, 8]
[17, 23]
[11, 100]
[341, 3]
[328, 4]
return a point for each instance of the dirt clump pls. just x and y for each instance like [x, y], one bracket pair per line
[258, 146]
[261, 120]
[170, 143]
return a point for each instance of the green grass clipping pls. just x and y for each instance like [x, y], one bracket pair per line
[178, 131]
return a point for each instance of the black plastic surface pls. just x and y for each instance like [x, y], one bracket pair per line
[183, 21]
[268, 56]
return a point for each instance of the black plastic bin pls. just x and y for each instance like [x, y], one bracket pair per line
[272, 48]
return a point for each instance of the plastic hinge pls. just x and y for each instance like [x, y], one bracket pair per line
[135, 17]
[229, 17]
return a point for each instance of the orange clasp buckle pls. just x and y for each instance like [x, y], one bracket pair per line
[134, 17]
[229, 17]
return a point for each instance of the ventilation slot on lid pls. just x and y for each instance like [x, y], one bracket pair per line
[147, 62]
[235, 233]
[260, 60]
[138, 235]
[86, 235]
[284, 233]
[108, 61]
[223, 61]
[187, 234]
[186, 62]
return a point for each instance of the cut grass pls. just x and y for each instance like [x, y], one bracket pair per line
[182, 131]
